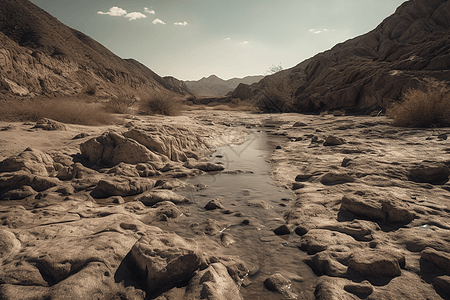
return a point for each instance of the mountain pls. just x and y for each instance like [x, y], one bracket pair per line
[216, 87]
[41, 56]
[371, 71]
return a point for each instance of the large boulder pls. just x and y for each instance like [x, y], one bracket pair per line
[151, 198]
[31, 161]
[430, 173]
[165, 260]
[377, 263]
[112, 148]
[124, 186]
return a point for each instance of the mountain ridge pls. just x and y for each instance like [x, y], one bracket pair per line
[216, 86]
[42, 56]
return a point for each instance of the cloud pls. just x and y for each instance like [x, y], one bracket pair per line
[114, 11]
[317, 31]
[227, 39]
[149, 11]
[158, 21]
[135, 15]
[245, 43]
[181, 23]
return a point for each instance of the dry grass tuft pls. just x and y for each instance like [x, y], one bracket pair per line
[65, 110]
[120, 104]
[91, 89]
[429, 108]
[161, 105]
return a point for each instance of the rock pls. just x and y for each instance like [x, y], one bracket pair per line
[329, 288]
[434, 174]
[303, 177]
[442, 137]
[150, 198]
[146, 170]
[117, 200]
[332, 178]
[48, 124]
[299, 124]
[346, 162]
[123, 169]
[339, 113]
[205, 166]
[214, 204]
[112, 148]
[227, 239]
[18, 194]
[124, 186]
[363, 206]
[278, 147]
[40, 184]
[397, 212]
[439, 258]
[9, 244]
[358, 229]
[284, 229]
[176, 143]
[213, 283]
[361, 290]
[443, 283]
[259, 203]
[80, 136]
[279, 283]
[167, 209]
[297, 186]
[324, 263]
[317, 240]
[376, 263]
[210, 227]
[31, 161]
[165, 260]
[333, 141]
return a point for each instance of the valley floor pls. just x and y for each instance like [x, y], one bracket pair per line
[350, 208]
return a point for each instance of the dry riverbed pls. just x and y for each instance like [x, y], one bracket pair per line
[225, 205]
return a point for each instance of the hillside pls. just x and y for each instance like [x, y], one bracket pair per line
[216, 87]
[375, 69]
[41, 56]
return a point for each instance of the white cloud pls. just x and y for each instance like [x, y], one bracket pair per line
[317, 31]
[135, 15]
[227, 39]
[114, 11]
[245, 43]
[181, 23]
[158, 21]
[149, 11]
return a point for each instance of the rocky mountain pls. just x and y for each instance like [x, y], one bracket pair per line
[375, 69]
[41, 56]
[215, 86]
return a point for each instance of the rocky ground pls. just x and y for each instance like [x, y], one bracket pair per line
[80, 217]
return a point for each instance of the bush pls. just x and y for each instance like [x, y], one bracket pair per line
[91, 89]
[277, 95]
[419, 108]
[66, 110]
[161, 105]
[120, 104]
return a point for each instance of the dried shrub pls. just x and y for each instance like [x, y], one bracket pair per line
[277, 95]
[91, 89]
[65, 110]
[161, 105]
[120, 104]
[423, 108]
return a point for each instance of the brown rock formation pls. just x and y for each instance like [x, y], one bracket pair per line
[40, 55]
[374, 69]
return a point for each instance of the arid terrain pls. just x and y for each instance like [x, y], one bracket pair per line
[366, 214]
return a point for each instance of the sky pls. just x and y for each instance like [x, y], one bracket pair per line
[191, 39]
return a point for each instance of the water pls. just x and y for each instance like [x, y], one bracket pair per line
[255, 207]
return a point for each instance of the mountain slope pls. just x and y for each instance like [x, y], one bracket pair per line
[40, 55]
[375, 69]
[216, 87]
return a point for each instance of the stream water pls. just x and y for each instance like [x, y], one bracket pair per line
[254, 206]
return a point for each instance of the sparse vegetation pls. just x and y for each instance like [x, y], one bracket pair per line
[423, 108]
[66, 110]
[91, 89]
[277, 95]
[120, 104]
[161, 105]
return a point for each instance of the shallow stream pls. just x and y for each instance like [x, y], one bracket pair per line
[253, 207]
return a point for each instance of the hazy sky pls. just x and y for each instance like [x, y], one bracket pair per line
[191, 39]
